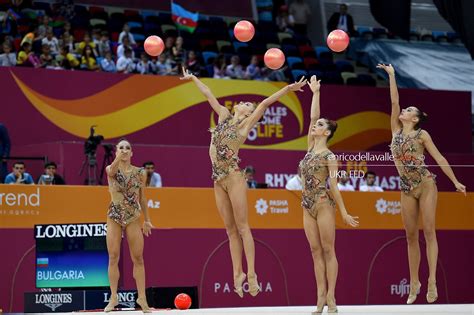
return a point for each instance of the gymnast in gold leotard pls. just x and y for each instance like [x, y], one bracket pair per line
[319, 211]
[230, 187]
[126, 183]
[418, 186]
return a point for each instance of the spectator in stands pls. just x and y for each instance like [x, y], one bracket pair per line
[88, 60]
[96, 36]
[125, 63]
[66, 10]
[370, 183]
[341, 20]
[220, 67]
[125, 45]
[192, 64]
[52, 42]
[285, 20]
[163, 65]
[145, 66]
[108, 64]
[274, 75]
[126, 34]
[66, 60]
[43, 28]
[7, 58]
[253, 70]
[50, 177]
[47, 60]
[67, 40]
[24, 54]
[344, 183]
[295, 182]
[153, 179]
[168, 51]
[249, 176]
[87, 41]
[4, 151]
[104, 44]
[67, 27]
[178, 51]
[19, 176]
[234, 70]
[301, 12]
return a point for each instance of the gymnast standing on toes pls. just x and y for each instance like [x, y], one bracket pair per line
[319, 215]
[418, 186]
[126, 183]
[230, 186]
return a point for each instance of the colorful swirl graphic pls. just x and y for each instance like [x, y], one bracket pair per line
[143, 101]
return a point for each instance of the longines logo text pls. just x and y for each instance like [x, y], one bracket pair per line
[70, 230]
[53, 300]
[124, 298]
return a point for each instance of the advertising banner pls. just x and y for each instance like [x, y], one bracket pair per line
[63, 105]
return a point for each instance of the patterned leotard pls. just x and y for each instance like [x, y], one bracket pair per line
[224, 148]
[125, 193]
[314, 173]
[408, 156]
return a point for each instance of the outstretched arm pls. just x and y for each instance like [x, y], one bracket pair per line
[348, 219]
[315, 85]
[218, 108]
[441, 161]
[260, 110]
[394, 122]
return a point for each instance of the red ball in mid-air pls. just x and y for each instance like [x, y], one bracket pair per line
[182, 301]
[244, 31]
[154, 45]
[338, 40]
[274, 58]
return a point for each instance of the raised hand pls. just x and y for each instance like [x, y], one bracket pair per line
[388, 68]
[186, 75]
[147, 226]
[314, 84]
[460, 187]
[350, 220]
[297, 86]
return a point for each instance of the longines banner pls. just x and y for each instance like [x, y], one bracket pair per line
[165, 110]
[70, 301]
[26, 206]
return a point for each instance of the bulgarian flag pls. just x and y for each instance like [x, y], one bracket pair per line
[184, 19]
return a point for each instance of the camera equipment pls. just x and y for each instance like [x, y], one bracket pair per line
[90, 150]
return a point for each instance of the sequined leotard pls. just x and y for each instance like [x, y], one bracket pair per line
[224, 148]
[125, 193]
[314, 173]
[408, 156]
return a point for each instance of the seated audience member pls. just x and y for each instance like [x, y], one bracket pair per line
[108, 64]
[7, 58]
[145, 66]
[253, 70]
[344, 184]
[249, 174]
[88, 60]
[50, 177]
[234, 70]
[370, 183]
[295, 183]
[153, 179]
[125, 63]
[19, 175]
